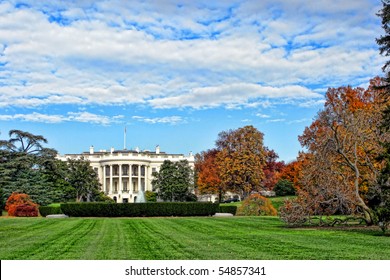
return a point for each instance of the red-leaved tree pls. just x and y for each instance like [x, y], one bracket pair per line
[20, 205]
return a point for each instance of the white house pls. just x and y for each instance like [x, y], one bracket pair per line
[124, 173]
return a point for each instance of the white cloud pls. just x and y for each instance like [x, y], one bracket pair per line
[276, 120]
[263, 116]
[70, 117]
[198, 55]
[231, 95]
[173, 120]
[33, 117]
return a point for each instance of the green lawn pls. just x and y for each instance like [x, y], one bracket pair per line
[279, 200]
[182, 238]
[276, 201]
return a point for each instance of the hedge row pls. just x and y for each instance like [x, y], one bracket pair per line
[98, 209]
[228, 209]
[49, 210]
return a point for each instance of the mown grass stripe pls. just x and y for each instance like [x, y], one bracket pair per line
[183, 238]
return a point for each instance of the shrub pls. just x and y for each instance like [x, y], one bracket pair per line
[284, 187]
[26, 210]
[23, 200]
[94, 209]
[49, 210]
[228, 209]
[150, 196]
[191, 197]
[256, 205]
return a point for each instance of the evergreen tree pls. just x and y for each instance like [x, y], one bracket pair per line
[27, 167]
[83, 179]
[382, 196]
[174, 181]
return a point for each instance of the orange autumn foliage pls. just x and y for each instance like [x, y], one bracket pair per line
[208, 178]
[293, 171]
[343, 144]
[272, 169]
[256, 205]
[20, 205]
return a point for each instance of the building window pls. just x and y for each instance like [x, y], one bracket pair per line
[135, 170]
[125, 170]
[125, 186]
[116, 170]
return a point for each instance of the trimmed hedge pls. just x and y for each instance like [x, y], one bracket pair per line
[232, 209]
[49, 210]
[159, 209]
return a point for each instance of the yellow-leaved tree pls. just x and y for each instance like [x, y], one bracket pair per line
[241, 160]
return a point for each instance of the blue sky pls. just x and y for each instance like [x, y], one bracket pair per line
[176, 73]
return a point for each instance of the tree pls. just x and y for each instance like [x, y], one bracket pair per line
[241, 159]
[272, 169]
[174, 181]
[20, 204]
[381, 196]
[25, 142]
[284, 187]
[24, 168]
[293, 171]
[83, 180]
[344, 141]
[208, 179]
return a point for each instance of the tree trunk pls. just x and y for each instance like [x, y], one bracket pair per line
[367, 212]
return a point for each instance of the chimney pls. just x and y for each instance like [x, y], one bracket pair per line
[112, 150]
[91, 150]
[157, 149]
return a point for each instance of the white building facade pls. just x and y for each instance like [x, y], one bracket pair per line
[123, 174]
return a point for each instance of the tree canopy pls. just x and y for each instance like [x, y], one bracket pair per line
[344, 145]
[208, 179]
[27, 166]
[174, 181]
[241, 159]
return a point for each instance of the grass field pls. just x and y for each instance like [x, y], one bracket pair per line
[182, 238]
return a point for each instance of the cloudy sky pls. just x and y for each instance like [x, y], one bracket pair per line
[176, 73]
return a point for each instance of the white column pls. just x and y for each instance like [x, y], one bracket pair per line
[104, 180]
[146, 178]
[139, 177]
[110, 179]
[130, 179]
[120, 179]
